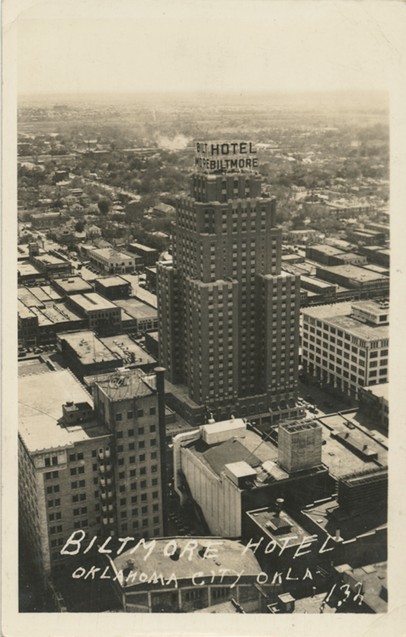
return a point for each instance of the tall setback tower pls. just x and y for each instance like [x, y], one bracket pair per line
[228, 315]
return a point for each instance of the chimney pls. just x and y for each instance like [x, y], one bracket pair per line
[279, 506]
[338, 535]
[160, 388]
[211, 420]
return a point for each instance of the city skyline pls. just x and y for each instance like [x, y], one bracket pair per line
[111, 103]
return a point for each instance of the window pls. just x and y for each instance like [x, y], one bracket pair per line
[80, 456]
[130, 432]
[119, 417]
[130, 415]
[152, 411]
[140, 413]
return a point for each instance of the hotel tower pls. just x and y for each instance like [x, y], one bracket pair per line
[228, 315]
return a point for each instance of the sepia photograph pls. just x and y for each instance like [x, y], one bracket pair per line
[201, 281]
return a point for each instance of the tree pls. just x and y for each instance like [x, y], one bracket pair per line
[104, 205]
[80, 226]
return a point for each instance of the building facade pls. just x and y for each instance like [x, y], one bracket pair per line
[91, 469]
[228, 314]
[346, 344]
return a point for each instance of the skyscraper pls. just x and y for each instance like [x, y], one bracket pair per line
[228, 315]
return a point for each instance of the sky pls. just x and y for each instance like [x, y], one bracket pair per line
[198, 45]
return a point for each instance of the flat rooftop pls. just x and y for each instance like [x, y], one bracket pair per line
[73, 284]
[51, 259]
[278, 526]
[339, 315]
[380, 391]
[326, 249]
[24, 311]
[112, 281]
[354, 272]
[92, 301]
[328, 516]
[142, 247]
[56, 313]
[40, 398]
[248, 447]
[323, 285]
[126, 383]
[110, 254]
[374, 577]
[25, 268]
[88, 348]
[124, 347]
[30, 366]
[230, 555]
[342, 455]
[137, 309]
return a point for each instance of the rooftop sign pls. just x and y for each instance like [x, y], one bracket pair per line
[214, 157]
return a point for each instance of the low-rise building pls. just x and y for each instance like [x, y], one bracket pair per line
[102, 315]
[149, 255]
[71, 285]
[189, 575]
[111, 261]
[52, 265]
[27, 273]
[346, 344]
[48, 219]
[85, 354]
[140, 316]
[113, 287]
[356, 278]
[42, 315]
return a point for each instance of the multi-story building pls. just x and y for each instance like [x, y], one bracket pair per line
[228, 314]
[227, 469]
[111, 261]
[98, 470]
[102, 315]
[346, 344]
[113, 287]
[51, 265]
[71, 285]
[86, 354]
[148, 255]
[374, 403]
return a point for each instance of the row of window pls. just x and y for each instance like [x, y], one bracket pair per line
[139, 412]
